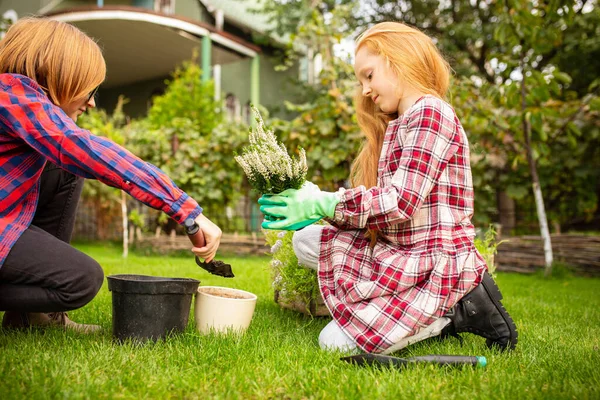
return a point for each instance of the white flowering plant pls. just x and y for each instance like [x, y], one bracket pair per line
[295, 286]
[267, 164]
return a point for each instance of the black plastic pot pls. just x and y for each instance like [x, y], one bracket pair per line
[150, 307]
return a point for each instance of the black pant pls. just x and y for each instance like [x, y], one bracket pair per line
[42, 272]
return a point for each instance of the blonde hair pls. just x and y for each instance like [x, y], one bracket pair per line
[414, 58]
[63, 60]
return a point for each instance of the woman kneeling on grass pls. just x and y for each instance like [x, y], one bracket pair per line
[49, 73]
[398, 263]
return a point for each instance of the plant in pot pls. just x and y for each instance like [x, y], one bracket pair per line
[223, 310]
[271, 170]
[295, 286]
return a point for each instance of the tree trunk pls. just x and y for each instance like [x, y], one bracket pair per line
[506, 212]
[537, 191]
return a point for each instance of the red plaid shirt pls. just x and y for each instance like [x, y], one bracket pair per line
[33, 130]
[426, 259]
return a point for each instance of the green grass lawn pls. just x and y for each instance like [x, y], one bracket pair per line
[558, 355]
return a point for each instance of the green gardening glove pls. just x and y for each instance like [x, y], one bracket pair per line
[293, 227]
[294, 209]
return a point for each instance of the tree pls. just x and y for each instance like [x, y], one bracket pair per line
[540, 87]
[520, 95]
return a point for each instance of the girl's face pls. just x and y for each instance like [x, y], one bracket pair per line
[377, 80]
[77, 107]
[391, 93]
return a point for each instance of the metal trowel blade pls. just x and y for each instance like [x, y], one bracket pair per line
[216, 268]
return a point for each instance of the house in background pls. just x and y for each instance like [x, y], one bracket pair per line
[145, 40]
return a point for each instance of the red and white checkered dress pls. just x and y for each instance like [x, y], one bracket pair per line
[425, 260]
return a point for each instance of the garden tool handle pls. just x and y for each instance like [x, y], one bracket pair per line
[380, 359]
[476, 361]
[194, 233]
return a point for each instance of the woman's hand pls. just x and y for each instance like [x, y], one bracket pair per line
[212, 236]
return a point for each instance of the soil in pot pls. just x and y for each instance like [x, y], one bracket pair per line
[225, 293]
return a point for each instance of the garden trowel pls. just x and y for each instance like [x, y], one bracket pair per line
[214, 267]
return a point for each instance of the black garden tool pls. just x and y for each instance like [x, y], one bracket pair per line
[214, 267]
[388, 361]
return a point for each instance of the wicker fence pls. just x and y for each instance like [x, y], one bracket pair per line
[526, 253]
[523, 254]
[230, 243]
[92, 224]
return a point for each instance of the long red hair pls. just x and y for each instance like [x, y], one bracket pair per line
[414, 58]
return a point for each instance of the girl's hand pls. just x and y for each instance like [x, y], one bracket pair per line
[294, 209]
[212, 236]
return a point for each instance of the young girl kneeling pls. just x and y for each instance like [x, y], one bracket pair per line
[398, 264]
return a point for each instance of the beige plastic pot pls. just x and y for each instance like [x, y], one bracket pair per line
[220, 309]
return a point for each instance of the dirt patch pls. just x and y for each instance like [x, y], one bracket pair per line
[225, 293]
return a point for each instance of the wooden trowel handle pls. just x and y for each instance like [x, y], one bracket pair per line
[194, 233]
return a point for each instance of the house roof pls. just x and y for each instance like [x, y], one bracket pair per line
[140, 44]
[239, 13]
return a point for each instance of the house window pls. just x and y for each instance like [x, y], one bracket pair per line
[303, 69]
[247, 113]
[310, 67]
[164, 6]
[232, 104]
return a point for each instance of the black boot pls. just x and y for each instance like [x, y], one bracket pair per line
[481, 312]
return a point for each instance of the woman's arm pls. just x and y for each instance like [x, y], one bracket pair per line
[27, 113]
